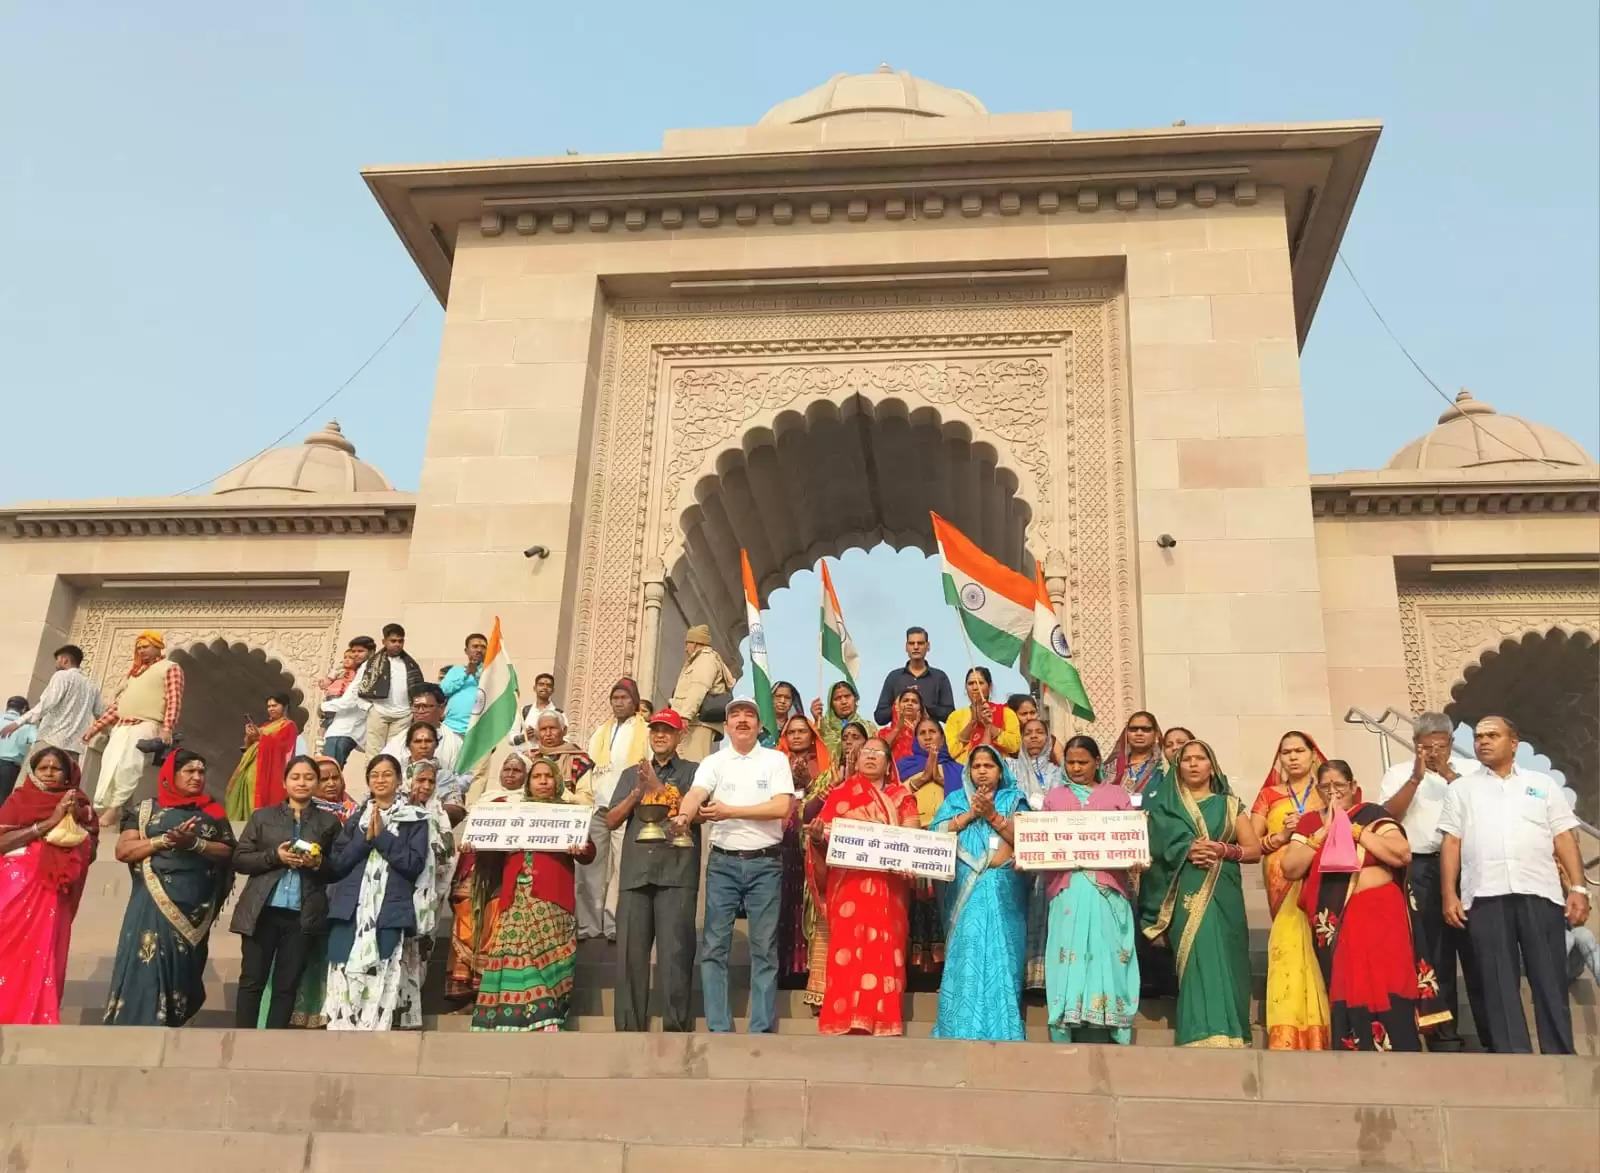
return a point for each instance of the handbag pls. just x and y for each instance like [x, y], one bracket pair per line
[66, 833]
[714, 707]
[1339, 848]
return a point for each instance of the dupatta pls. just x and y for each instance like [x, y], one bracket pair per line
[857, 797]
[62, 869]
[831, 727]
[973, 848]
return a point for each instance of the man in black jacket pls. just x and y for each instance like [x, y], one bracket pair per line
[932, 684]
[387, 682]
[284, 904]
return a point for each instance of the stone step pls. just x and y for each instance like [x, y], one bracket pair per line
[286, 1101]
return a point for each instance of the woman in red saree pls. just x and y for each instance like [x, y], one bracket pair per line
[1361, 920]
[868, 912]
[257, 780]
[48, 836]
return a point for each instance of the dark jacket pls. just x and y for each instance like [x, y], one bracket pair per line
[257, 857]
[374, 683]
[933, 686]
[406, 850]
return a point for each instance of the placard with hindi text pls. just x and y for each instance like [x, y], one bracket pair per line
[877, 847]
[534, 826]
[1056, 840]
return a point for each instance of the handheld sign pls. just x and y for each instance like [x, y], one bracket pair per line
[1057, 840]
[877, 847]
[539, 826]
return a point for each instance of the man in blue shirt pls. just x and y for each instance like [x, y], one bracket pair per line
[14, 748]
[460, 684]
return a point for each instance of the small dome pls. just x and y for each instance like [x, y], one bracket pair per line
[1472, 434]
[324, 463]
[886, 91]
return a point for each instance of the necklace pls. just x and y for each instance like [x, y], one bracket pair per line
[1136, 775]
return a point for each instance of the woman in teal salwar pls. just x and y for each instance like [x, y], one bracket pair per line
[1091, 967]
[1199, 835]
[179, 848]
[986, 907]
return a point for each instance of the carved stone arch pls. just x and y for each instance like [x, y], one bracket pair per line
[1034, 373]
[1521, 646]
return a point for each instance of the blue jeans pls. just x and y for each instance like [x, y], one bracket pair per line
[757, 884]
[339, 748]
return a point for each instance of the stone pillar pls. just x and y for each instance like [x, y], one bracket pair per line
[655, 590]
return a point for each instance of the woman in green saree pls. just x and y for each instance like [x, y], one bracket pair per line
[843, 707]
[179, 848]
[1199, 835]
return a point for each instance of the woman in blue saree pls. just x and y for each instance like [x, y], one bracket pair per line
[986, 907]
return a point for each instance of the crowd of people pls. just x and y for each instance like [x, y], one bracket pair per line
[1374, 898]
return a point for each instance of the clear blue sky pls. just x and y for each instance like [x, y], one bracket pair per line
[188, 243]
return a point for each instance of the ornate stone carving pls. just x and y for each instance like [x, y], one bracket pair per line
[1446, 627]
[1084, 448]
[299, 631]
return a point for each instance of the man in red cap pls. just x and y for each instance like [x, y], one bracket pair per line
[659, 884]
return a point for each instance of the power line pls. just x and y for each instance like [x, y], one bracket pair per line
[329, 398]
[1501, 440]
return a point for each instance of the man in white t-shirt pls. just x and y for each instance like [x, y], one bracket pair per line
[387, 682]
[1414, 792]
[745, 792]
[1506, 830]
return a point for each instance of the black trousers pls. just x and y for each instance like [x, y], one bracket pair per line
[277, 947]
[1441, 946]
[1502, 928]
[9, 772]
[663, 917]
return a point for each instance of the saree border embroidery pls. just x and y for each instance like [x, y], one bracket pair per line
[1201, 900]
[190, 931]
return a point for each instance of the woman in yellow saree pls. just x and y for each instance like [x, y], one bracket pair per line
[1297, 1000]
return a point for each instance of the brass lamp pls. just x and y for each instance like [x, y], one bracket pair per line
[653, 818]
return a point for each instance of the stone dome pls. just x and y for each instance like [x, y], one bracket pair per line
[325, 462]
[1472, 434]
[884, 91]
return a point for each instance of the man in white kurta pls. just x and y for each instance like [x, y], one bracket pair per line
[617, 744]
[148, 707]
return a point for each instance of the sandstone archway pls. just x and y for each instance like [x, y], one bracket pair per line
[828, 479]
[1548, 682]
[224, 683]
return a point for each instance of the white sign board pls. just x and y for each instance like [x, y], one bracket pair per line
[877, 847]
[534, 826]
[1056, 840]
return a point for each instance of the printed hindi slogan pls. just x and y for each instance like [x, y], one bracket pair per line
[543, 826]
[879, 848]
[1053, 840]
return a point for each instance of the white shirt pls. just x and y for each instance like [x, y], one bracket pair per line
[735, 779]
[347, 715]
[1507, 827]
[528, 729]
[66, 709]
[604, 778]
[1422, 816]
[397, 701]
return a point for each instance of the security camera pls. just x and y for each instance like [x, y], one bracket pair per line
[536, 552]
[1166, 541]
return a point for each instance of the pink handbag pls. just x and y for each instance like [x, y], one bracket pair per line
[1339, 848]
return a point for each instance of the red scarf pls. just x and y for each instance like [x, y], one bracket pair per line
[168, 795]
[61, 868]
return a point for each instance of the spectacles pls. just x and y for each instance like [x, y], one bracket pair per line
[1141, 728]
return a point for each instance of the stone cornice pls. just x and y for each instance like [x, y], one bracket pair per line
[1318, 167]
[169, 517]
[1388, 494]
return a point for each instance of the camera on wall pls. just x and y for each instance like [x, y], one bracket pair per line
[536, 552]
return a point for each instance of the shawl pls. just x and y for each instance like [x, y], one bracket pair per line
[1037, 776]
[168, 795]
[917, 761]
[832, 725]
[61, 868]
[638, 743]
[1148, 773]
[571, 764]
[493, 792]
[274, 747]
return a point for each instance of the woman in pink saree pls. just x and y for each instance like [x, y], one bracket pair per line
[48, 836]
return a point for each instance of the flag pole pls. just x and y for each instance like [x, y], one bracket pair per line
[822, 605]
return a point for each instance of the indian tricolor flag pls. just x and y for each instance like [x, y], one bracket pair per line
[1050, 656]
[994, 601]
[761, 679]
[837, 647]
[495, 711]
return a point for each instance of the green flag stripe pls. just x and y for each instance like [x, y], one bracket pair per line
[1060, 677]
[491, 726]
[999, 645]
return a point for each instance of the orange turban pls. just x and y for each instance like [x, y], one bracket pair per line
[150, 637]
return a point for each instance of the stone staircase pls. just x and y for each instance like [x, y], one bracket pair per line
[83, 1097]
